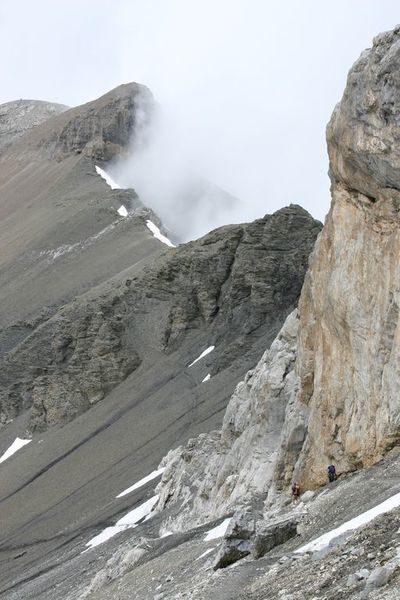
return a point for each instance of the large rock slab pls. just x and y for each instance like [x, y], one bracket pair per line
[270, 535]
[349, 307]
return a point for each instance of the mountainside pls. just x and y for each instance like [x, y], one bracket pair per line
[19, 116]
[174, 395]
[232, 289]
[327, 390]
[101, 322]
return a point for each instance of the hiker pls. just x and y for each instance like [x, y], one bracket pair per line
[331, 473]
[295, 492]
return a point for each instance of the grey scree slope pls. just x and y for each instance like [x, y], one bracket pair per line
[112, 325]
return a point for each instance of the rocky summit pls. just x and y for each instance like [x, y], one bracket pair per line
[159, 401]
[18, 117]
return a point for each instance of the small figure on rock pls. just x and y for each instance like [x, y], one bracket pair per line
[295, 492]
[332, 473]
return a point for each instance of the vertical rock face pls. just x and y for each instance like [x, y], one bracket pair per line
[219, 472]
[348, 363]
[328, 388]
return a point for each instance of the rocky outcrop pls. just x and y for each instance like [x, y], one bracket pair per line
[245, 535]
[270, 535]
[237, 540]
[221, 471]
[101, 129]
[19, 116]
[231, 289]
[327, 390]
[349, 308]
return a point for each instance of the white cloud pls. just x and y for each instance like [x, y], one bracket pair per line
[246, 88]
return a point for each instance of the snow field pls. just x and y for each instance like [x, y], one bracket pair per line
[109, 180]
[128, 521]
[205, 553]
[122, 211]
[218, 531]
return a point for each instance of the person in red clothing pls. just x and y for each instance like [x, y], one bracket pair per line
[295, 492]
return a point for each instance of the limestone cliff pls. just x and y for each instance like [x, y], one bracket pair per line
[328, 388]
[349, 308]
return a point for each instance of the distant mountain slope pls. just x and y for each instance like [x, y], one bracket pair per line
[231, 289]
[17, 117]
[60, 230]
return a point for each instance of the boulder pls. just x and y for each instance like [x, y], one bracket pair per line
[307, 496]
[269, 536]
[242, 526]
[231, 551]
[380, 576]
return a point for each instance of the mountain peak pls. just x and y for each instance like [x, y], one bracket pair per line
[19, 116]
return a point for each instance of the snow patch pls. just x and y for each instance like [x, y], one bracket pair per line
[17, 444]
[142, 482]
[205, 553]
[129, 521]
[218, 531]
[166, 534]
[122, 211]
[206, 378]
[323, 541]
[202, 355]
[109, 180]
[157, 234]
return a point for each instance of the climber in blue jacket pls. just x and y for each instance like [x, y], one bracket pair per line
[331, 473]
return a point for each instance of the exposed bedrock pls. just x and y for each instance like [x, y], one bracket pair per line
[328, 388]
[232, 289]
[349, 334]
[224, 470]
[19, 116]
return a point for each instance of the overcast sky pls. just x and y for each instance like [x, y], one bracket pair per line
[247, 85]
